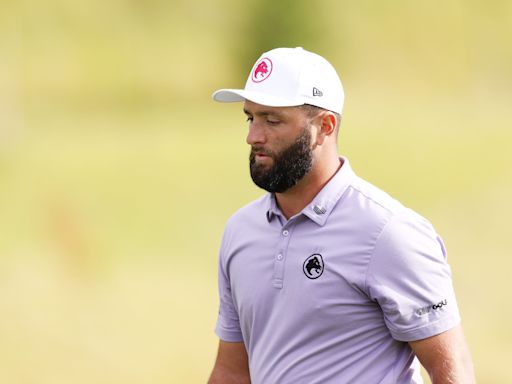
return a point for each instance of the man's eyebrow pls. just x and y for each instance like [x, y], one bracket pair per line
[264, 113]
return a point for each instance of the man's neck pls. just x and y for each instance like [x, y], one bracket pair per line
[299, 196]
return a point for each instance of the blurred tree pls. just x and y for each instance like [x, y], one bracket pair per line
[270, 24]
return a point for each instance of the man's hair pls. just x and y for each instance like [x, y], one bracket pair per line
[313, 110]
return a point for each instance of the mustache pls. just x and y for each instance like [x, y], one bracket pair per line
[261, 151]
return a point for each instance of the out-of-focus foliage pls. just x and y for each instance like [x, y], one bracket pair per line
[269, 24]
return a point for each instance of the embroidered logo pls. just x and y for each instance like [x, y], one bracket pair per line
[262, 70]
[432, 307]
[313, 266]
[317, 92]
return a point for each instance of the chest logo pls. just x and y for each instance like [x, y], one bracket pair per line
[313, 266]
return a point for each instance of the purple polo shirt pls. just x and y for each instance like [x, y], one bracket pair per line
[333, 294]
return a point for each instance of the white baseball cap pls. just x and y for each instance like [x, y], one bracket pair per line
[285, 77]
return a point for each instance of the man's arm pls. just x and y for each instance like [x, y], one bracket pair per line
[231, 366]
[446, 357]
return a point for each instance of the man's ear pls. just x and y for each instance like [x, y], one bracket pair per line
[327, 125]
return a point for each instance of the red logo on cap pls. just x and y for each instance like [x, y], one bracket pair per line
[262, 70]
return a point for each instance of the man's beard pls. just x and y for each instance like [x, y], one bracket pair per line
[289, 166]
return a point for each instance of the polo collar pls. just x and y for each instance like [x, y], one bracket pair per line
[322, 205]
[272, 208]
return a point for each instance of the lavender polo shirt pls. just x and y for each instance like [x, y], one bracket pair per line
[333, 294]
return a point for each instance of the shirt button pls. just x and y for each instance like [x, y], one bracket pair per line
[285, 233]
[280, 257]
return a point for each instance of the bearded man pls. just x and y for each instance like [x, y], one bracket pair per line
[326, 278]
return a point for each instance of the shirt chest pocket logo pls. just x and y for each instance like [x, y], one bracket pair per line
[313, 266]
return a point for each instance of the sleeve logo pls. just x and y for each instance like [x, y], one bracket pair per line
[432, 307]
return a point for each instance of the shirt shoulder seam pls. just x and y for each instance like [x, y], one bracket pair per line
[370, 198]
[372, 253]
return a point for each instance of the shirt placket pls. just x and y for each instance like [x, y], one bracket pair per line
[280, 255]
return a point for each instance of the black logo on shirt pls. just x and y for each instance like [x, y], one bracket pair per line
[432, 307]
[313, 266]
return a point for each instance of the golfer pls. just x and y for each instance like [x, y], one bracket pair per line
[326, 278]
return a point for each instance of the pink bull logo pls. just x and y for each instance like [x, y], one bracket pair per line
[262, 70]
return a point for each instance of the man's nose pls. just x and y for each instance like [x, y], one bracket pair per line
[256, 134]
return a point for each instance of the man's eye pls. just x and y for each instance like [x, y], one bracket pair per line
[249, 118]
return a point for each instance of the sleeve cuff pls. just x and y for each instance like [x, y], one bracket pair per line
[229, 335]
[428, 330]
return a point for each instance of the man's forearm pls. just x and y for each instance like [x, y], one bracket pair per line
[221, 375]
[459, 371]
[231, 365]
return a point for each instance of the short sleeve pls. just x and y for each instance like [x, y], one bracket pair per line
[410, 278]
[228, 324]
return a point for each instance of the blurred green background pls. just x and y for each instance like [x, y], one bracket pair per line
[118, 172]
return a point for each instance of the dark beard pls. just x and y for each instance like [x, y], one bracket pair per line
[290, 165]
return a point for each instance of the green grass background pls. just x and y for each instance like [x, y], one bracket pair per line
[117, 171]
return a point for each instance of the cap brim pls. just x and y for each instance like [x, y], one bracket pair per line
[234, 95]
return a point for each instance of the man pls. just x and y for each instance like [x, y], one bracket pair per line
[326, 279]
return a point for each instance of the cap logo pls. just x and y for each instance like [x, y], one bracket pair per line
[317, 92]
[262, 70]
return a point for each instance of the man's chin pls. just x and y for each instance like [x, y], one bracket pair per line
[263, 165]
[264, 161]
[261, 170]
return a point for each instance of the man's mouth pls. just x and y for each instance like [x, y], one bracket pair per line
[260, 154]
